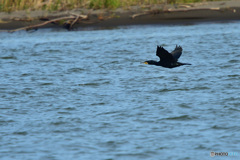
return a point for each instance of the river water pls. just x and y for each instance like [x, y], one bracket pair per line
[87, 94]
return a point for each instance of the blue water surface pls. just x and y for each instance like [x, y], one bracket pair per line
[87, 94]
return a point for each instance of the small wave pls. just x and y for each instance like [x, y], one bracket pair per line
[27, 91]
[180, 118]
[21, 133]
[70, 108]
[235, 109]
[171, 90]
[184, 89]
[233, 61]
[46, 84]
[98, 104]
[26, 74]
[201, 147]
[2, 122]
[89, 84]
[8, 57]
[52, 50]
[139, 155]
[64, 113]
[219, 127]
[234, 76]
[76, 70]
[93, 84]
[200, 88]
[183, 105]
[58, 123]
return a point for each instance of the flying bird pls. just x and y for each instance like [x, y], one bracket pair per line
[167, 60]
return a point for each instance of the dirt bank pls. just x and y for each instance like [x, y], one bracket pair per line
[156, 14]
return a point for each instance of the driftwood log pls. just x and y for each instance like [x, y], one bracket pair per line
[68, 24]
[154, 12]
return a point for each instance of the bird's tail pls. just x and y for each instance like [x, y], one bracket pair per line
[186, 64]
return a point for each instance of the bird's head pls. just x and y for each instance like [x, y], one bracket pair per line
[150, 62]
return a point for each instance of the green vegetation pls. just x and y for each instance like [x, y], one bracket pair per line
[52, 5]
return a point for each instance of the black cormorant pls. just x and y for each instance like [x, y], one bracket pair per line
[168, 60]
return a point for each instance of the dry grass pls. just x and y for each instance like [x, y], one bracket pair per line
[14, 5]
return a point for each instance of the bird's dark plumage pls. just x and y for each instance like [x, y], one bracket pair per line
[168, 60]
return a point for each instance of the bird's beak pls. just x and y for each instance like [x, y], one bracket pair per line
[145, 62]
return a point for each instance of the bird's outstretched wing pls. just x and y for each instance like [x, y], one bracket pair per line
[163, 54]
[177, 52]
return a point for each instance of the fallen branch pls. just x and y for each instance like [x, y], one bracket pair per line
[192, 9]
[76, 18]
[139, 14]
[22, 19]
[153, 12]
[69, 24]
[156, 11]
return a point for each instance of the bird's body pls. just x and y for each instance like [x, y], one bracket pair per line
[168, 60]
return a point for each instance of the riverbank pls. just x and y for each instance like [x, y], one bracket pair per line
[134, 15]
